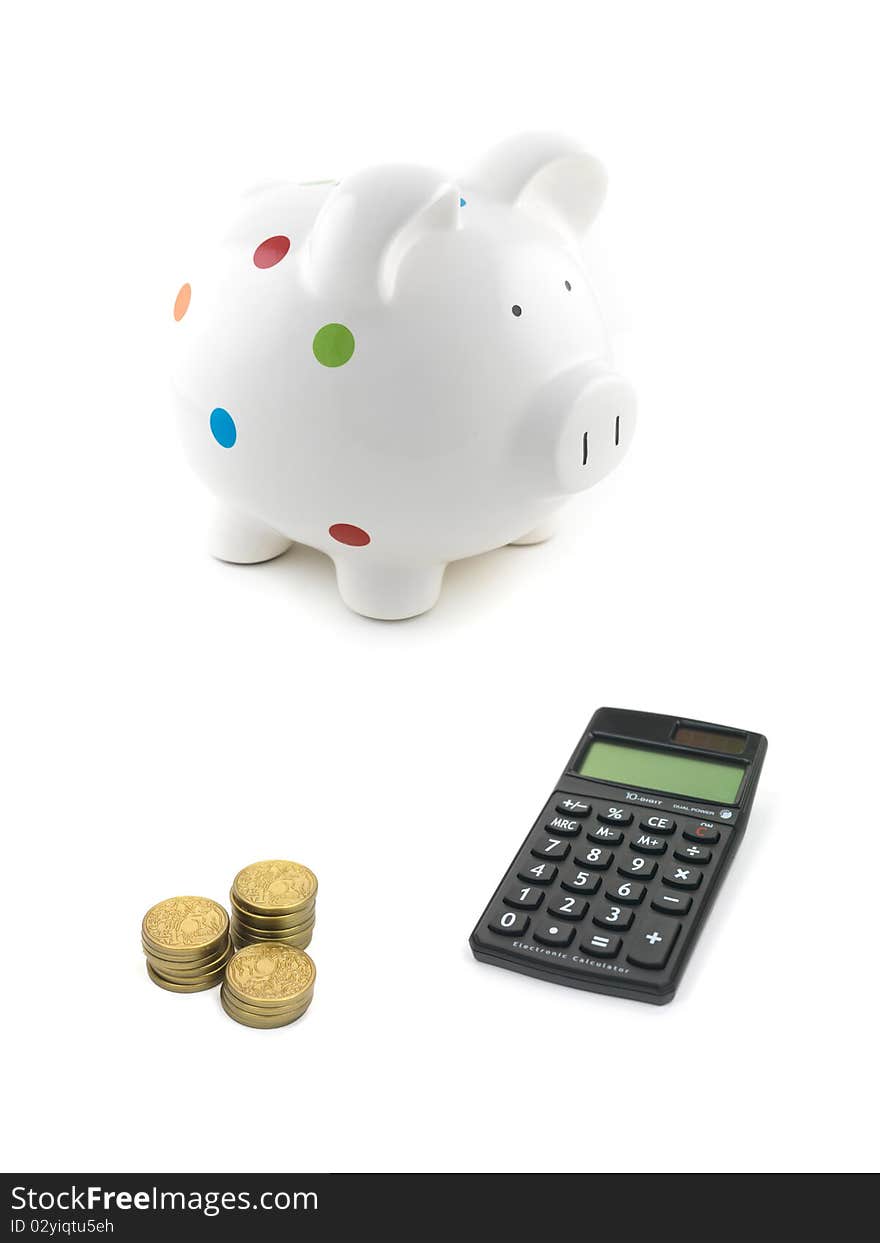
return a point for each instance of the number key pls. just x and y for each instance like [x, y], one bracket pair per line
[638, 866]
[538, 873]
[526, 897]
[610, 916]
[566, 907]
[627, 891]
[509, 923]
[594, 857]
[612, 813]
[580, 882]
[551, 848]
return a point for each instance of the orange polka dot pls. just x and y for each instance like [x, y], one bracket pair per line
[181, 302]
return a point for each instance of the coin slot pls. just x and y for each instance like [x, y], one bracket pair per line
[617, 430]
[586, 448]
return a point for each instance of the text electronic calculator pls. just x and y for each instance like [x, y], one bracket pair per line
[613, 884]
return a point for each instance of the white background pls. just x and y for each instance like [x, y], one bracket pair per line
[170, 719]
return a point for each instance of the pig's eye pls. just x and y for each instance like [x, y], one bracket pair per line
[568, 286]
[517, 309]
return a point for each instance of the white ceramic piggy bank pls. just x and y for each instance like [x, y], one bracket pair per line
[402, 369]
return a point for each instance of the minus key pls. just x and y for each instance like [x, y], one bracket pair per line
[672, 903]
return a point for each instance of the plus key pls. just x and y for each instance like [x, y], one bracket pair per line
[651, 943]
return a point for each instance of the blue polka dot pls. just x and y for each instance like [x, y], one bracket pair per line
[223, 427]
[462, 202]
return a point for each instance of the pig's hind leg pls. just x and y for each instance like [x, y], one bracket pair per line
[237, 537]
[387, 592]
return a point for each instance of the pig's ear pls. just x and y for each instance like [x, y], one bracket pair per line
[548, 176]
[369, 223]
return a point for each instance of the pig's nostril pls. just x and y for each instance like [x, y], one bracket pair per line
[617, 430]
[586, 448]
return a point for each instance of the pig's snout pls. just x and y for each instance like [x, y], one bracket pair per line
[579, 429]
[596, 432]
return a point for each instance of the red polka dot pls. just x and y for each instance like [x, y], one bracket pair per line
[271, 251]
[347, 534]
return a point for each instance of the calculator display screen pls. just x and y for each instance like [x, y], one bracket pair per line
[663, 770]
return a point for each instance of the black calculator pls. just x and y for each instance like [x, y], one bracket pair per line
[614, 882]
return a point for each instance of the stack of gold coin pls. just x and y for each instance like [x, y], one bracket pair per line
[186, 941]
[273, 901]
[268, 984]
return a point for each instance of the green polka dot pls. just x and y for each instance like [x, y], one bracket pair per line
[333, 345]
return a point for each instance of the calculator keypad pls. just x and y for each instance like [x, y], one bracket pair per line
[596, 884]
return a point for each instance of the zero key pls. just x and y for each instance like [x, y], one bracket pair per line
[651, 944]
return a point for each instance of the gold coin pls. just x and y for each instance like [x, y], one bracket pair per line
[275, 887]
[247, 1020]
[176, 966]
[270, 973]
[266, 1012]
[272, 934]
[300, 940]
[271, 921]
[183, 988]
[185, 927]
[189, 977]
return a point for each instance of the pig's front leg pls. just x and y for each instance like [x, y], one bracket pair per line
[387, 592]
[543, 531]
[237, 537]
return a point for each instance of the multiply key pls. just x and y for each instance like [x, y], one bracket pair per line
[683, 877]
